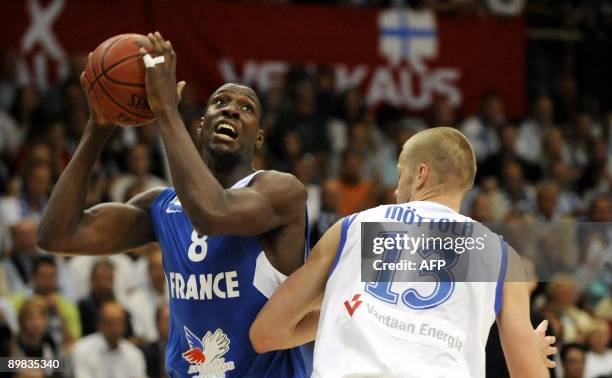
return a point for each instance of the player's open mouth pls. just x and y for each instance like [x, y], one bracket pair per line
[226, 131]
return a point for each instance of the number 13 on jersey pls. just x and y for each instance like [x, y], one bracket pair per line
[444, 285]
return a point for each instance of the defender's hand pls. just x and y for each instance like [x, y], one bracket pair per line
[163, 92]
[546, 345]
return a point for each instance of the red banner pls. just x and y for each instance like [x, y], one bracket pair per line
[402, 57]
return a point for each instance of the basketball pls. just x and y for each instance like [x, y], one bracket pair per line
[115, 75]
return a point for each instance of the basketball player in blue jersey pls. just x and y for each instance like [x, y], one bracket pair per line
[384, 329]
[229, 234]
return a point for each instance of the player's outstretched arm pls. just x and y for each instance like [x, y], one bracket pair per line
[273, 200]
[291, 316]
[104, 229]
[521, 345]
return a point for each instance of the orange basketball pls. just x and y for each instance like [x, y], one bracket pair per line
[115, 73]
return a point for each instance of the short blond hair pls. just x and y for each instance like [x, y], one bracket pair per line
[448, 154]
[32, 305]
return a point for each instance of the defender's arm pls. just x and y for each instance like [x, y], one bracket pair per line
[520, 343]
[291, 316]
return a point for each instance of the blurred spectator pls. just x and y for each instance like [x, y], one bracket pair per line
[481, 209]
[10, 138]
[330, 209]
[304, 171]
[34, 339]
[326, 92]
[601, 209]
[569, 202]
[139, 165]
[102, 279]
[35, 150]
[76, 120]
[519, 196]
[303, 119]
[490, 167]
[292, 150]
[356, 193]
[106, 353]
[143, 301]
[352, 107]
[488, 186]
[126, 274]
[596, 177]
[599, 356]
[149, 135]
[442, 113]
[562, 303]
[155, 351]
[67, 93]
[482, 129]
[189, 106]
[8, 78]
[36, 177]
[26, 112]
[582, 132]
[547, 194]
[554, 149]
[599, 232]
[18, 263]
[532, 130]
[573, 357]
[363, 141]
[65, 324]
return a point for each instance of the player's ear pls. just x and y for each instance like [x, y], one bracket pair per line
[422, 175]
[260, 139]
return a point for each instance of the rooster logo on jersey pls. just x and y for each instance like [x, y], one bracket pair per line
[206, 355]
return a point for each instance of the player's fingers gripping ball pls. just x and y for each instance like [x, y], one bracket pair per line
[162, 89]
[114, 79]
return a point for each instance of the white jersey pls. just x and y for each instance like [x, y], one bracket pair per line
[367, 330]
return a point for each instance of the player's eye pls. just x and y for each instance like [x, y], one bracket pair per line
[219, 101]
[247, 108]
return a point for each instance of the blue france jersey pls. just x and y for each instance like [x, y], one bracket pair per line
[217, 285]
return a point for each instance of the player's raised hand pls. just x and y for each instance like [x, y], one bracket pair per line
[94, 116]
[546, 344]
[163, 92]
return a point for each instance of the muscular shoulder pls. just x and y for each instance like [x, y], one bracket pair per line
[281, 188]
[145, 199]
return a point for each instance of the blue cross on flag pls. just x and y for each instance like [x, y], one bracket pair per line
[406, 34]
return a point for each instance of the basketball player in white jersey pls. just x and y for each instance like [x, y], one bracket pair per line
[403, 329]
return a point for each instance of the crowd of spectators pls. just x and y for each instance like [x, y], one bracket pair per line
[552, 164]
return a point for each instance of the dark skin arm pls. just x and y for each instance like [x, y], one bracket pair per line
[274, 199]
[103, 229]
